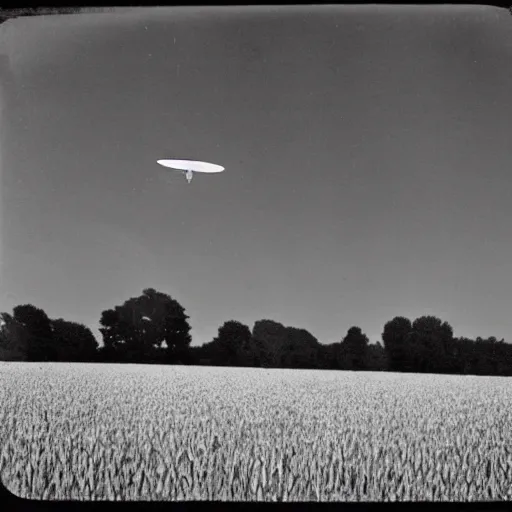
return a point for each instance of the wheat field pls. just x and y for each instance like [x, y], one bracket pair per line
[135, 432]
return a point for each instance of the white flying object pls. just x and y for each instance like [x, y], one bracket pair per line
[190, 166]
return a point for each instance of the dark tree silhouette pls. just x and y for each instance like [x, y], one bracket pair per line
[231, 345]
[40, 342]
[354, 350]
[394, 337]
[502, 355]
[196, 355]
[377, 358]
[153, 328]
[13, 339]
[491, 357]
[329, 356]
[300, 349]
[463, 350]
[260, 355]
[431, 340]
[267, 343]
[204, 354]
[146, 329]
[74, 341]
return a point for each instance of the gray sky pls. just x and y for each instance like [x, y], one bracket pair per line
[367, 154]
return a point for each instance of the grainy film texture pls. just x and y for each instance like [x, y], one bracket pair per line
[257, 254]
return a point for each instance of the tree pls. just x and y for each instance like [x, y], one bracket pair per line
[13, 339]
[74, 341]
[491, 357]
[328, 356]
[394, 337]
[354, 349]
[231, 344]
[377, 358]
[40, 341]
[195, 353]
[267, 343]
[468, 357]
[108, 354]
[431, 341]
[204, 354]
[300, 349]
[150, 328]
[502, 357]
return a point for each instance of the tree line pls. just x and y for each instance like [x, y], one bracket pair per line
[153, 328]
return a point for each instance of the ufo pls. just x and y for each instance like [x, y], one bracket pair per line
[188, 167]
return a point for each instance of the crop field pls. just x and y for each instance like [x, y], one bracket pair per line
[135, 432]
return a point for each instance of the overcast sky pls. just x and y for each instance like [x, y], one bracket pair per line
[367, 155]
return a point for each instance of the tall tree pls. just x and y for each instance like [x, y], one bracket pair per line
[74, 341]
[300, 350]
[150, 328]
[231, 344]
[268, 342]
[431, 340]
[394, 337]
[40, 342]
[13, 339]
[354, 349]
